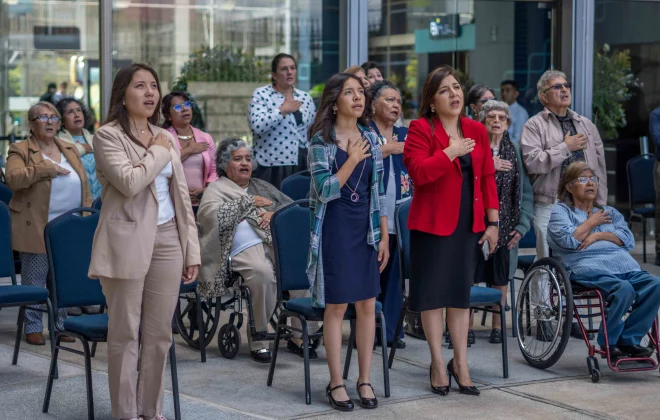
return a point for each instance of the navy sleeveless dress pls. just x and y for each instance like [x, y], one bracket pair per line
[350, 265]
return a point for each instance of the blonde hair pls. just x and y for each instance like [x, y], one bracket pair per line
[34, 112]
[571, 173]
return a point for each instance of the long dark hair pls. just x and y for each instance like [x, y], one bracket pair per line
[63, 103]
[431, 86]
[167, 105]
[276, 62]
[325, 119]
[118, 111]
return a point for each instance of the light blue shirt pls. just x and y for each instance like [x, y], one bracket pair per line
[599, 258]
[519, 117]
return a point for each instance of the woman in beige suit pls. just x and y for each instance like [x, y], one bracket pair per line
[145, 239]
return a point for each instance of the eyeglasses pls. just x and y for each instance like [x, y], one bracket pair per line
[45, 118]
[179, 107]
[586, 179]
[501, 118]
[483, 101]
[558, 86]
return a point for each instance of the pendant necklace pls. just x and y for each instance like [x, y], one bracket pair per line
[355, 197]
[184, 137]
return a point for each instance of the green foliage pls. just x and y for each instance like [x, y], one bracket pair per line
[222, 64]
[612, 82]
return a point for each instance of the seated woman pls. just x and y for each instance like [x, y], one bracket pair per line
[592, 241]
[234, 217]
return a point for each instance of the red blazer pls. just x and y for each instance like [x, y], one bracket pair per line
[436, 202]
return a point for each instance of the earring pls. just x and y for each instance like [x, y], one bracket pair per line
[123, 102]
[432, 109]
[334, 111]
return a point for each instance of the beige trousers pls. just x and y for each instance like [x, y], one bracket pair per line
[256, 267]
[143, 309]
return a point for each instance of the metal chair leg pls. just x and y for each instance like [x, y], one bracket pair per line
[308, 384]
[514, 313]
[644, 239]
[505, 355]
[51, 376]
[200, 326]
[349, 351]
[383, 344]
[175, 383]
[397, 334]
[51, 332]
[94, 348]
[276, 346]
[19, 333]
[88, 380]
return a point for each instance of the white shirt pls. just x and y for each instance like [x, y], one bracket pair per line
[65, 190]
[165, 205]
[244, 238]
[519, 117]
[278, 137]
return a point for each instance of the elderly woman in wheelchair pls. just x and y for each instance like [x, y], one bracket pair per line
[593, 242]
[234, 218]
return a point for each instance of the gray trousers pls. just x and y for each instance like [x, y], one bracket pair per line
[34, 272]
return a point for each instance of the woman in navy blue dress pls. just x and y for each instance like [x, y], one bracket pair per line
[349, 246]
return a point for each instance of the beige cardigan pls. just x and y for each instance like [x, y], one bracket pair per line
[66, 136]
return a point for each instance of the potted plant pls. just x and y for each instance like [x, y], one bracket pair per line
[222, 80]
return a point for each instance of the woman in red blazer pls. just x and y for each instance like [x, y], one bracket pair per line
[450, 163]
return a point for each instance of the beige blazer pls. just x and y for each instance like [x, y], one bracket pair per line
[124, 239]
[29, 176]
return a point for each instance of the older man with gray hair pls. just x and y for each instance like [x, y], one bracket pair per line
[550, 141]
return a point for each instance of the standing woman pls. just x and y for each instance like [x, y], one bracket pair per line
[73, 131]
[48, 179]
[279, 117]
[450, 163]
[359, 72]
[145, 239]
[477, 96]
[349, 245]
[196, 147]
[386, 109]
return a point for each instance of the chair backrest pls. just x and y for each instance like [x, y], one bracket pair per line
[6, 254]
[296, 186]
[403, 237]
[640, 180]
[97, 204]
[5, 194]
[529, 240]
[291, 235]
[69, 240]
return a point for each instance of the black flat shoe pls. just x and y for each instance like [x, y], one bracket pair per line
[261, 356]
[440, 390]
[495, 336]
[615, 352]
[367, 403]
[400, 344]
[338, 405]
[296, 349]
[636, 350]
[471, 338]
[468, 390]
[544, 331]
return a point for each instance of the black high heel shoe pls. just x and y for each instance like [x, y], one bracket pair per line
[367, 403]
[338, 405]
[469, 390]
[440, 390]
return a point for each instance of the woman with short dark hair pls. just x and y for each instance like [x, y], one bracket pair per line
[477, 96]
[279, 117]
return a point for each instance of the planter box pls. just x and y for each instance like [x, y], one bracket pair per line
[225, 106]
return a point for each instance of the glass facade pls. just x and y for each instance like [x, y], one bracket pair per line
[486, 41]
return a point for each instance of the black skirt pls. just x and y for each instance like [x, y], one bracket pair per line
[495, 271]
[442, 268]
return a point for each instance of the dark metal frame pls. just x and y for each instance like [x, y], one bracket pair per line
[637, 216]
[485, 306]
[306, 336]
[87, 352]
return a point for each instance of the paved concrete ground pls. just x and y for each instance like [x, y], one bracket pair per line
[236, 389]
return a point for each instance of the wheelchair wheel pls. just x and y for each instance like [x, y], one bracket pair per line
[229, 341]
[186, 320]
[545, 313]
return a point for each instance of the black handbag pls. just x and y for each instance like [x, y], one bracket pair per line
[413, 325]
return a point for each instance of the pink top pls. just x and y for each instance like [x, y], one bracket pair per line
[193, 169]
[208, 171]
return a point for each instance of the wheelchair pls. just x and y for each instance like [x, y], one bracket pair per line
[229, 336]
[544, 322]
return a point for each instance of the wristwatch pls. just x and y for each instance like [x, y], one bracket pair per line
[494, 224]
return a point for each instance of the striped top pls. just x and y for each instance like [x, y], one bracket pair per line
[325, 188]
[601, 257]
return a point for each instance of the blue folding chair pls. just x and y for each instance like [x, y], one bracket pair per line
[296, 186]
[18, 295]
[97, 204]
[69, 240]
[482, 297]
[5, 194]
[641, 192]
[290, 229]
